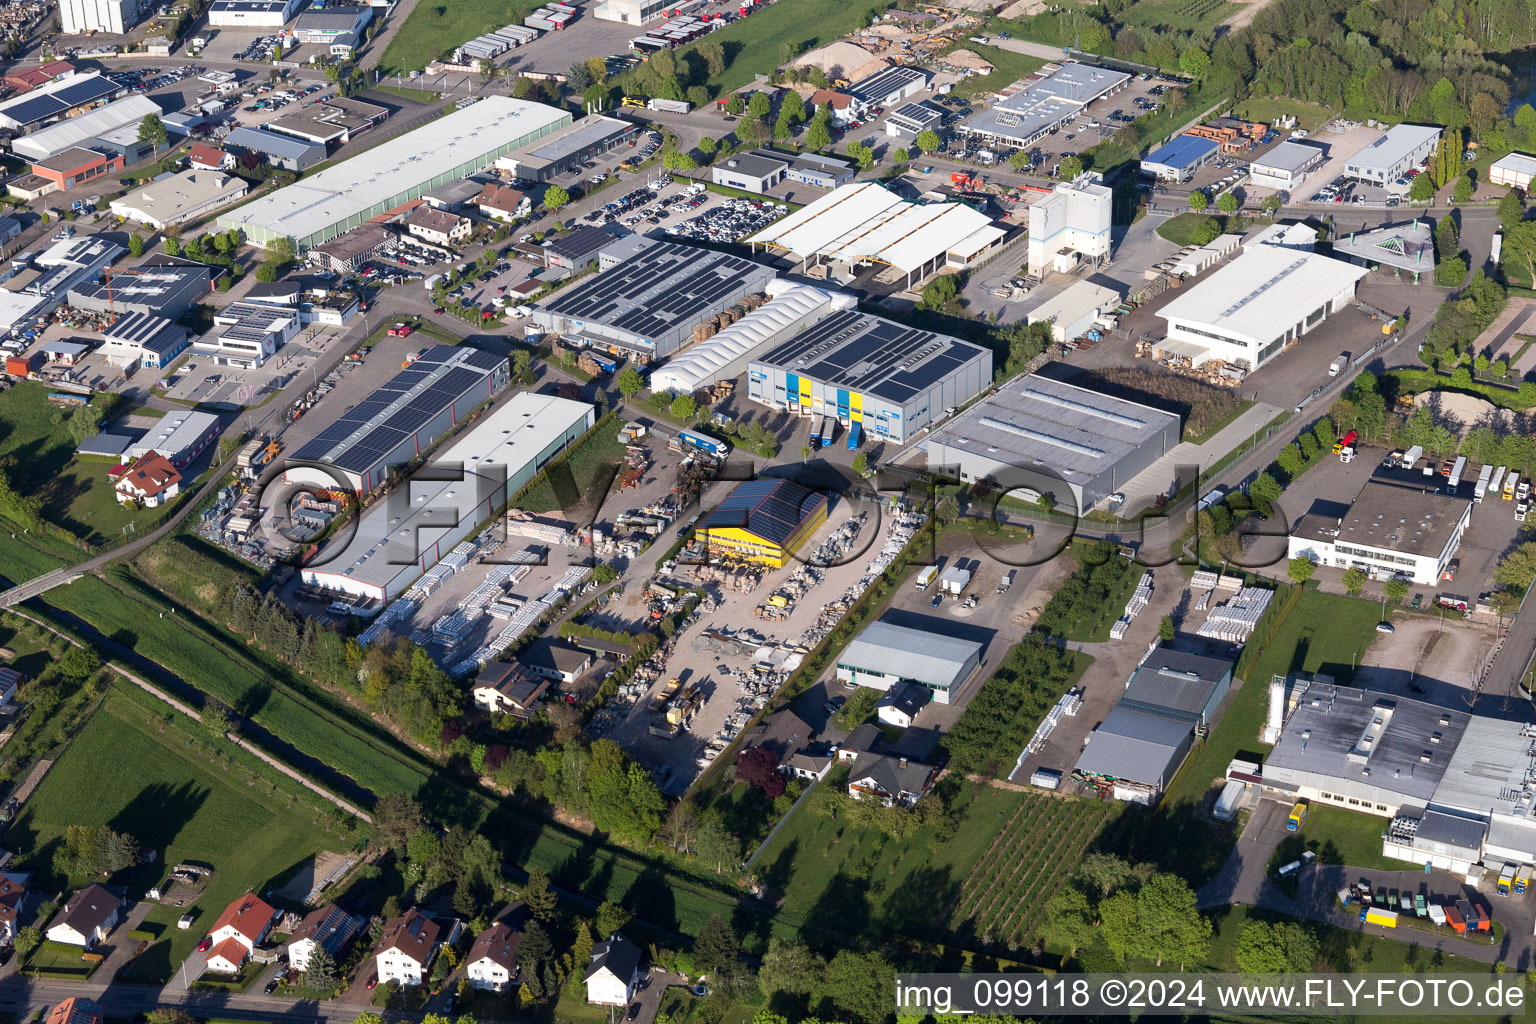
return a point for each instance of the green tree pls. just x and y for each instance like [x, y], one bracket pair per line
[267, 273]
[707, 146]
[79, 663]
[1195, 62]
[1068, 919]
[928, 141]
[1462, 193]
[862, 155]
[136, 244]
[1517, 568]
[714, 56]
[1069, 168]
[901, 156]
[1422, 189]
[1270, 204]
[556, 198]
[171, 243]
[1395, 591]
[1264, 489]
[611, 919]
[320, 970]
[1165, 631]
[597, 69]
[860, 464]
[1300, 569]
[1226, 203]
[789, 967]
[735, 105]
[947, 510]
[1117, 924]
[759, 106]
[630, 382]
[396, 818]
[538, 897]
[578, 76]
[1291, 460]
[28, 938]
[938, 293]
[83, 423]
[1354, 581]
[717, 946]
[683, 407]
[1264, 948]
[818, 136]
[1170, 923]
[152, 130]
[1198, 201]
[216, 719]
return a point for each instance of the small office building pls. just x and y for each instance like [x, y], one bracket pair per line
[566, 149]
[756, 172]
[1286, 166]
[143, 339]
[1515, 169]
[1180, 159]
[1402, 148]
[907, 120]
[1391, 529]
[821, 171]
[251, 13]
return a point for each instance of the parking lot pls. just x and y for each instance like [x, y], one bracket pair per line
[688, 211]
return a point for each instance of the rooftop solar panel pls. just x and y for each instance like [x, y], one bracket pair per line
[771, 509]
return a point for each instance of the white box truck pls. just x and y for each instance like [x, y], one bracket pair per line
[1482, 484]
[926, 577]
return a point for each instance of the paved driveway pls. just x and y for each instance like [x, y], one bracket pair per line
[1241, 880]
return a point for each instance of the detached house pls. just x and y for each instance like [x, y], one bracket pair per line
[149, 482]
[492, 961]
[439, 227]
[407, 947]
[890, 780]
[204, 157]
[555, 660]
[330, 928]
[12, 892]
[237, 932]
[506, 687]
[88, 917]
[613, 972]
[500, 202]
[76, 1010]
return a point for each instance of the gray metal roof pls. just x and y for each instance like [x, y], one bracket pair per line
[1290, 156]
[757, 163]
[1135, 747]
[1390, 516]
[1488, 770]
[932, 658]
[1451, 830]
[259, 140]
[1175, 684]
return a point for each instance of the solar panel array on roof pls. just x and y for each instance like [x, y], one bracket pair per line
[370, 431]
[864, 353]
[652, 291]
[35, 109]
[770, 509]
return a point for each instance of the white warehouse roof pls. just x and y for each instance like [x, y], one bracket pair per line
[79, 131]
[917, 654]
[866, 221]
[1399, 141]
[1077, 302]
[1267, 286]
[432, 154]
[702, 364]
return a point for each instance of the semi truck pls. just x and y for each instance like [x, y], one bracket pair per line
[1454, 480]
[1347, 441]
[1482, 485]
[712, 445]
[1522, 879]
[1506, 882]
[1510, 483]
[1496, 482]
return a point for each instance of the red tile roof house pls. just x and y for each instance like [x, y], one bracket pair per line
[12, 893]
[76, 1010]
[204, 157]
[27, 79]
[243, 925]
[150, 482]
[406, 949]
[840, 102]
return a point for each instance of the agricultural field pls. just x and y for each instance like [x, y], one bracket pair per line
[1004, 895]
[1186, 15]
[179, 800]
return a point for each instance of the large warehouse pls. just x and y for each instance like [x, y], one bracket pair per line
[569, 148]
[83, 130]
[1389, 528]
[885, 655]
[59, 99]
[1032, 108]
[1046, 436]
[1247, 312]
[790, 309]
[1403, 147]
[339, 198]
[764, 521]
[1180, 158]
[390, 550]
[865, 223]
[891, 379]
[647, 306]
[405, 415]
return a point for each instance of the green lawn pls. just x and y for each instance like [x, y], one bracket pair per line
[1267, 108]
[1010, 67]
[57, 960]
[1339, 836]
[434, 28]
[1184, 228]
[1318, 633]
[1178, 15]
[138, 774]
[758, 44]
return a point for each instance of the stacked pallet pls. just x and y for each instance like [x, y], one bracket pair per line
[1235, 619]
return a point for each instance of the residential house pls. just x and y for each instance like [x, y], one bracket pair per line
[492, 961]
[901, 703]
[505, 687]
[329, 928]
[807, 766]
[204, 157]
[840, 102]
[555, 660]
[890, 780]
[237, 932]
[88, 917]
[499, 202]
[613, 972]
[864, 739]
[407, 947]
[783, 733]
[438, 227]
[13, 892]
[149, 482]
[76, 1010]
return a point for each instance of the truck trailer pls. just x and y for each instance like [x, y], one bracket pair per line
[1375, 915]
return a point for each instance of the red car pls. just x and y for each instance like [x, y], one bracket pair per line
[373, 980]
[202, 947]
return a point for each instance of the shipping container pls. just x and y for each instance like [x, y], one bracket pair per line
[1484, 919]
[855, 435]
[1456, 920]
[1436, 913]
[1374, 915]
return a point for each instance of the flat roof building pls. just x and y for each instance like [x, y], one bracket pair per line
[1390, 529]
[568, 148]
[78, 167]
[403, 536]
[1178, 685]
[821, 171]
[865, 223]
[84, 130]
[1286, 166]
[765, 521]
[247, 334]
[1406, 247]
[402, 418]
[139, 338]
[648, 305]
[1069, 225]
[1515, 169]
[179, 198]
[1403, 147]
[338, 120]
[1073, 312]
[61, 98]
[167, 290]
[910, 118]
[1135, 755]
[1180, 158]
[251, 13]
[888, 379]
[1252, 309]
[179, 436]
[756, 172]
[1046, 436]
[885, 655]
[339, 198]
[330, 23]
[1033, 107]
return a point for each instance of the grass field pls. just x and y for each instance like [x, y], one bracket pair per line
[1010, 67]
[1215, 426]
[1183, 229]
[1003, 896]
[434, 28]
[1318, 633]
[583, 475]
[1187, 15]
[1267, 108]
[129, 770]
[757, 44]
[1339, 836]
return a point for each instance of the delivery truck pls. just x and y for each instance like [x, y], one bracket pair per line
[1297, 816]
[1522, 879]
[1506, 882]
[926, 577]
[1375, 915]
[1482, 484]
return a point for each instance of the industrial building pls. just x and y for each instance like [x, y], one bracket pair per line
[1032, 108]
[179, 198]
[885, 655]
[404, 416]
[326, 25]
[1390, 529]
[166, 289]
[864, 223]
[285, 151]
[790, 309]
[85, 129]
[179, 436]
[630, 12]
[756, 172]
[61, 98]
[1402, 148]
[886, 88]
[337, 121]
[77, 17]
[1286, 166]
[1178, 685]
[1250, 310]
[393, 545]
[143, 339]
[1180, 158]
[1070, 225]
[33, 293]
[458, 144]
[1044, 436]
[247, 334]
[1515, 169]
[350, 249]
[1073, 312]
[889, 380]
[821, 171]
[77, 167]
[568, 148]
[648, 305]
[1406, 247]
[577, 249]
[907, 120]
[251, 13]
[765, 521]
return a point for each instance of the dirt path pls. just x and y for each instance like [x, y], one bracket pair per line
[1242, 18]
